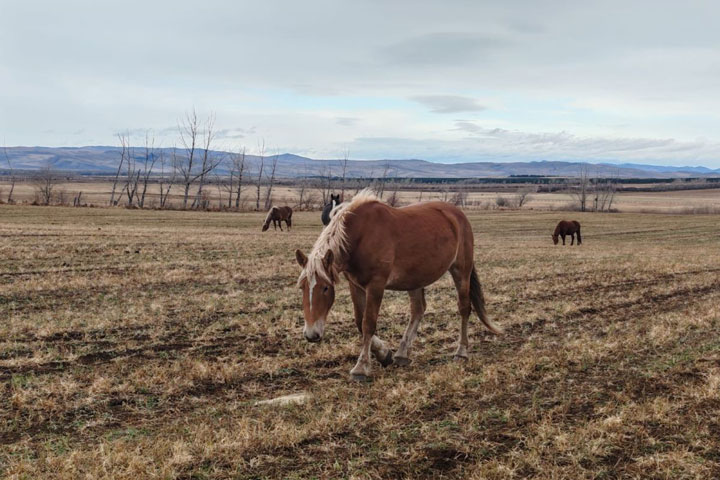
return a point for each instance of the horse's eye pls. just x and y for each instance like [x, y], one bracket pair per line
[325, 289]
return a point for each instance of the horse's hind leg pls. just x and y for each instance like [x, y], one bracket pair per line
[417, 309]
[380, 351]
[572, 239]
[462, 285]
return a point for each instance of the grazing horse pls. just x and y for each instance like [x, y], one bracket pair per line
[378, 247]
[566, 227]
[327, 209]
[277, 215]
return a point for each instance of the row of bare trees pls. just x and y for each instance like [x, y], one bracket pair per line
[192, 168]
[593, 194]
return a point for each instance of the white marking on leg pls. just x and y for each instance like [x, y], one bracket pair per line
[378, 347]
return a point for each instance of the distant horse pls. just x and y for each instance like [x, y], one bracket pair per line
[327, 209]
[566, 227]
[277, 215]
[378, 247]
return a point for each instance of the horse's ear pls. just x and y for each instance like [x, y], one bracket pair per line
[328, 259]
[301, 258]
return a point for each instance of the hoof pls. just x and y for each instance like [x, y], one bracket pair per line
[460, 358]
[359, 377]
[388, 360]
[402, 361]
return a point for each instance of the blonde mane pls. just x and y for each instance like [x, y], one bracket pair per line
[267, 219]
[333, 238]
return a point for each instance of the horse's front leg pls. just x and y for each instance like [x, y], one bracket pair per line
[381, 352]
[572, 239]
[417, 309]
[373, 298]
[563, 237]
[280, 225]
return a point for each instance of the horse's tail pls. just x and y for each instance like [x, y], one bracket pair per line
[478, 303]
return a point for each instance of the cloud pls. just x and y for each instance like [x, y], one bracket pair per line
[498, 144]
[234, 133]
[304, 80]
[442, 49]
[449, 103]
[347, 121]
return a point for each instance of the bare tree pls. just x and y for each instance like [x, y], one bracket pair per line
[209, 162]
[303, 187]
[166, 183]
[132, 174]
[148, 165]
[344, 172]
[383, 179]
[604, 193]
[580, 188]
[459, 198]
[238, 161]
[524, 195]
[123, 155]
[394, 199]
[191, 168]
[271, 182]
[324, 185]
[261, 166]
[44, 181]
[12, 175]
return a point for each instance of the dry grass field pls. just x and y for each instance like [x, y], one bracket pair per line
[135, 344]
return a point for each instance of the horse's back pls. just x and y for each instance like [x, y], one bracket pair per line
[416, 244]
[567, 227]
[417, 216]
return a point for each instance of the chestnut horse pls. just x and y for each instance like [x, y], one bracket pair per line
[567, 227]
[378, 247]
[277, 215]
[327, 209]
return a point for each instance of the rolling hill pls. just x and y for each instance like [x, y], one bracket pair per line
[104, 160]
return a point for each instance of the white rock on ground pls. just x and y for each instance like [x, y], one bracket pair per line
[295, 398]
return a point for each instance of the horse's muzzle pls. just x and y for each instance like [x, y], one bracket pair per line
[312, 337]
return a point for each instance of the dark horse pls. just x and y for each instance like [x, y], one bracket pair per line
[378, 247]
[277, 215]
[334, 202]
[567, 227]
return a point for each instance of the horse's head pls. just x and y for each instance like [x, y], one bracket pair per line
[318, 291]
[555, 239]
[266, 226]
[335, 198]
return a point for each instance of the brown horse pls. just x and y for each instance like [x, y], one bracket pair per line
[567, 227]
[277, 215]
[378, 247]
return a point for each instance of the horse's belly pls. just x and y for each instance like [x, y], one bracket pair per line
[418, 274]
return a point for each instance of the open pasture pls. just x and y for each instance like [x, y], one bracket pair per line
[97, 193]
[134, 344]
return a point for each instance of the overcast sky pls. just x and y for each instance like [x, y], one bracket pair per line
[452, 80]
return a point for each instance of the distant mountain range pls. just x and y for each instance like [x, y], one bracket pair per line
[104, 160]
